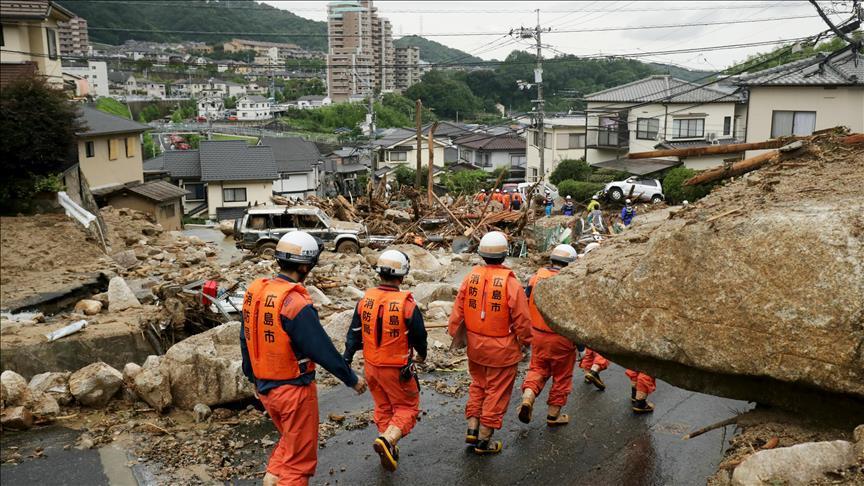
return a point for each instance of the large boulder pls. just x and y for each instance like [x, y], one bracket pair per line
[13, 389]
[420, 258]
[427, 292]
[54, 383]
[42, 405]
[120, 296]
[16, 418]
[755, 292]
[95, 384]
[207, 368]
[152, 386]
[797, 465]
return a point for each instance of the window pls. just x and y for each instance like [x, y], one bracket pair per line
[131, 142]
[398, 156]
[787, 123]
[234, 195]
[309, 221]
[283, 220]
[727, 125]
[112, 149]
[570, 141]
[647, 128]
[195, 192]
[90, 149]
[688, 128]
[52, 43]
[168, 210]
[547, 142]
[518, 160]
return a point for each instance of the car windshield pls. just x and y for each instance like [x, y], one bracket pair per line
[325, 218]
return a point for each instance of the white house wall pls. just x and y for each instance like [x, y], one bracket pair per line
[412, 157]
[257, 193]
[298, 184]
[553, 154]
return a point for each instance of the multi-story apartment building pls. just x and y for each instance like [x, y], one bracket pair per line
[361, 55]
[407, 67]
[74, 40]
[95, 72]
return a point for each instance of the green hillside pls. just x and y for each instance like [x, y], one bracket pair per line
[681, 73]
[435, 52]
[236, 18]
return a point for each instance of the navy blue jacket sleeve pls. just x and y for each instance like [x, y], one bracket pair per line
[528, 290]
[309, 339]
[417, 333]
[247, 364]
[354, 338]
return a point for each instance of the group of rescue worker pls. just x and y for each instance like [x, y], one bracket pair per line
[282, 341]
[511, 200]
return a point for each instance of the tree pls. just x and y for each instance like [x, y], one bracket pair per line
[445, 95]
[150, 148]
[464, 181]
[579, 190]
[37, 126]
[675, 193]
[404, 175]
[570, 169]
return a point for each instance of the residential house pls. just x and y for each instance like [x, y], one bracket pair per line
[253, 107]
[398, 146]
[235, 89]
[658, 112]
[145, 87]
[160, 199]
[447, 132]
[255, 88]
[211, 108]
[95, 72]
[344, 170]
[564, 139]
[109, 148]
[30, 43]
[491, 152]
[117, 82]
[223, 176]
[801, 97]
[312, 101]
[298, 162]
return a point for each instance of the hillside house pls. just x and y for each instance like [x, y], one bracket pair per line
[160, 199]
[109, 148]
[298, 163]
[490, 152]
[564, 140]
[211, 108]
[252, 107]
[398, 146]
[30, 43]
[313, 101]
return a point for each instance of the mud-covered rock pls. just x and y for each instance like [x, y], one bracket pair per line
[207, 368]
[152, 386]
[120, 296]
[419, 257]
[95, 384]
[54, 383]
[14, 388]
[16, 418]
[88, 307]
[42, 405]
[318, 297]
[796, 465]
[754, 292]
[427, 292]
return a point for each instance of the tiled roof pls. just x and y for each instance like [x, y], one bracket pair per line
[100, 123]
[843, 70]
[235, 160]
[158, 191]
[491, 142]
[292, 154]
[181, 164]
[662, 88]
[32, 9]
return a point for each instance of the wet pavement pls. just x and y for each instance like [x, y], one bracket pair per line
[226, 250]
[604, 444]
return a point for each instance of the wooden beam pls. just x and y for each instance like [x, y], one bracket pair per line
[736, 169]
[713, 149]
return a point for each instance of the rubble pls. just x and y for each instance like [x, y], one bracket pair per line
[16, 418]
[152, 386]
[53, 383]
[120, 296]
[202, 412]
[762, 303]
[13, 389]
[95, 385]
[88, 307]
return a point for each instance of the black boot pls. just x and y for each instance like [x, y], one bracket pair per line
[632, 395]
[642, 406]
[593, 377]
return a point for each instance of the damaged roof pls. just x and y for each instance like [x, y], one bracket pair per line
[846, 69]
[663, 88]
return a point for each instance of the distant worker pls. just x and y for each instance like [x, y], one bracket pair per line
[496, 196]
[552, 355]
[280, 342]
[568, 209]
[505, 200]
[641, 385]
[628, 212]
[494, 310]
[594, 204]
[548, 203]
[388, 325]
[515, 200]
[481, 196]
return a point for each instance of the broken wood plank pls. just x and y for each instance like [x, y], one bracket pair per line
[455, 219]
[725, 213]
[736, 169]
[714, 149]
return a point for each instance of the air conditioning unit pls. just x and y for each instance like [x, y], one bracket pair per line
[712, 137]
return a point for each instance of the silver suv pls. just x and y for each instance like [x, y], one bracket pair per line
[260, 229]
[643, 189]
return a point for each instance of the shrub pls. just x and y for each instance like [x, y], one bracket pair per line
[464, 181]
[580, 191]
[675, 192]
[607, 175]
[576, 170]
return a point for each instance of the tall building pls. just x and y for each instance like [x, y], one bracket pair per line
[407, 71]
[361, 56]
[74, 40]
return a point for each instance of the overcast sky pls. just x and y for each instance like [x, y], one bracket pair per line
[445, 17]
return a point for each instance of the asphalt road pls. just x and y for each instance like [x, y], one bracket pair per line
[604, 444]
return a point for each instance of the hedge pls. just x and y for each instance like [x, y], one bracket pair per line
[580, 191]
[675, 193]
[570, 169]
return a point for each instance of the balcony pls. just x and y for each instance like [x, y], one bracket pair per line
[609, 138]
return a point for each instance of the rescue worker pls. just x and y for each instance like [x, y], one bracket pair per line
[505, 200]
[641, 385]
[492, 306]
[281, 341]
[481, 196]
[628, 212]
[594, 204]
[497, 196]
[552, 355]
[516, 200]
[568, 209]
[548, 203]
[592, 362]
[387, 325]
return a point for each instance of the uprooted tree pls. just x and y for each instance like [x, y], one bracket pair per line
[37, 126]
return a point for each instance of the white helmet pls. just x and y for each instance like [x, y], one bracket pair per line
[569, 198]
[497, 190]
[483, 191]
[626, 201]
[493, 245]
[393, 263]
[298, 247]
[594, 197]
[563, 254]
[590, 247]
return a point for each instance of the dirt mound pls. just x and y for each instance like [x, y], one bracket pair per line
[755, 292]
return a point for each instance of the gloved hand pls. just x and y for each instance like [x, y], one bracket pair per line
[360, 386]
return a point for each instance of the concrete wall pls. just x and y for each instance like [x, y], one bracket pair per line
[257, 193]
[101, 171]
[553, 153]
[833, 107]
[497, 158]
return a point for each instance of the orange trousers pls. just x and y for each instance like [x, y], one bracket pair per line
[489, 393]
[641, 381]
[551, 355]
[591, 358]
[294, 411]
[396, 402]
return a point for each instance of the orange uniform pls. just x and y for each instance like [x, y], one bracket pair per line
[641, 381]
[591, 358]
[494, 309]
[505, 200]
[480, 197]
[551, 354]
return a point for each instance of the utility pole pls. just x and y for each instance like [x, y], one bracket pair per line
[418, 107]
[431, 144]
[372, 158]
[535, 33]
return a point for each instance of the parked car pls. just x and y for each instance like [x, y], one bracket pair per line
[524, 187]
[260, 229]
[643, 189]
